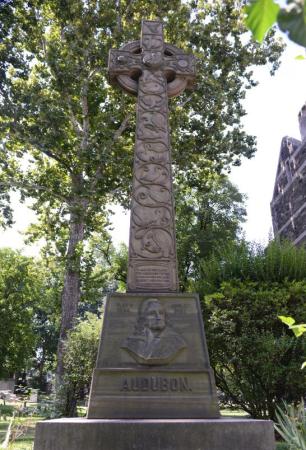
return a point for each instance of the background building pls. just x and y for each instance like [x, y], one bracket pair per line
[288, 206]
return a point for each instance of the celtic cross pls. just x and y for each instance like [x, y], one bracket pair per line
[152, 70]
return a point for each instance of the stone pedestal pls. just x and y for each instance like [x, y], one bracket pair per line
[152, 434]
[145, 374]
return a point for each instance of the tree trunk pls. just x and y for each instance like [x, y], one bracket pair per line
[71, 402]
[71, 290]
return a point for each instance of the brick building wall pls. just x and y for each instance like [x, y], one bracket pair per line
[288, 205]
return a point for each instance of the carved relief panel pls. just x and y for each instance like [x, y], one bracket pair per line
[142, 68]
[152, 233]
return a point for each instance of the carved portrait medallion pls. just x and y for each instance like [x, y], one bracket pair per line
[154, 341]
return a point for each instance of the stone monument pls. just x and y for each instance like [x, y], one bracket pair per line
[153, 388]
[153, 360]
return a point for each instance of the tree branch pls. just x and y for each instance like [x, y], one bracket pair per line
[122, 127]
[34, 187]
[119, 20]
[41, 148]
[116, 136]
[84, 100]
[182, 104]
[76, 124]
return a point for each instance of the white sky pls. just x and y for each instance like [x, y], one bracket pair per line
[272, 109]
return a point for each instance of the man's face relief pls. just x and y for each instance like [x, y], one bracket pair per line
[155, 317]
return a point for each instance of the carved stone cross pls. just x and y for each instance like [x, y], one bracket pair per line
[152, 70]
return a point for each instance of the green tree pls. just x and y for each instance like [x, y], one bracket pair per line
[67, 137]
[21, 290]
[104, 270]
[79, 360]
[206, 219]
[256, 360]
[46, 320]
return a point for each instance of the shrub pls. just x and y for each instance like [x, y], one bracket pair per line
[80, 356]
[256, 359]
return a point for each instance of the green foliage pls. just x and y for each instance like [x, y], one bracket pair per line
[261, 15]
[29, 311]
[76, 133]
[205, 220]
[291, 425]
[292, 21]
[103, 270]
[256, 361]
[79, 361]
[282, 446]
[6, 410]
[82, 346]
[247, 261]
[19, 295]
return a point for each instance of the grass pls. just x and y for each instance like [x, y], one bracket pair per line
[23, 429]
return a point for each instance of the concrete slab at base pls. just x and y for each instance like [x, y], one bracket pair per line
[154, 434]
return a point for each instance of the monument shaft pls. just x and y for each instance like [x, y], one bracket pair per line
[152, 253]
[162, 71]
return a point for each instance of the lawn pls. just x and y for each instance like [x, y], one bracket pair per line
[23, 431]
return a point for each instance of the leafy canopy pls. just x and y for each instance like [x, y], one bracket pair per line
[67, 136]
[261, 15]
[26, 295]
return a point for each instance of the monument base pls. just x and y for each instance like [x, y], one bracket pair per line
[144, 373]
[153, 434]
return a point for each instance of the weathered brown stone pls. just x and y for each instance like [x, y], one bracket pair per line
[153, 361]
[196, 434]
[288, 205]
[152, 250]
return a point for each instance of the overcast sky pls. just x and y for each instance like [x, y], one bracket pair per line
[272, 109]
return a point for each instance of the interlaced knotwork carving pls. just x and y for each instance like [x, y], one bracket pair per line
[153, 71]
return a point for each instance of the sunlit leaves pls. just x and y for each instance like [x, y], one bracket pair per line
[68, 49]
[287, 320]
[298, 329]
[261, 15]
